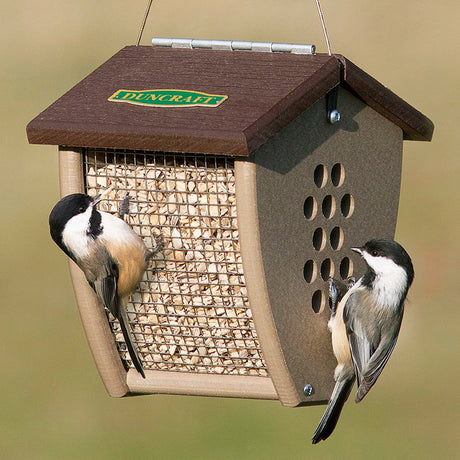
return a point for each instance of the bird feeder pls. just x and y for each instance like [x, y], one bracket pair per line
[259, 171]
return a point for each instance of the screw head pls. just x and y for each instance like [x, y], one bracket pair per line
[307, 390]
[334, 116]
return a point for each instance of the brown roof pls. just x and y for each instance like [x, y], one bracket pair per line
[265, 92]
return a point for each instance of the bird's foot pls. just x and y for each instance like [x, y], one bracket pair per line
[333, 295]
[159, 246]
[124, 206]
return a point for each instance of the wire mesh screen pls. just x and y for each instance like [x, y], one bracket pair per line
[190, 312]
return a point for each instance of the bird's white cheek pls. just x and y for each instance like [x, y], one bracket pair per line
[75, 235]
[381, 265]
[390, 282]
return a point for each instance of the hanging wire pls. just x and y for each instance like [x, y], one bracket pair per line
[321, 17]
[141, 31]
[324, 27]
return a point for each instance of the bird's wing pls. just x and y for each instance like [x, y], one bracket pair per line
[104, 283]
[370, 346]
[374, 367]
[360, 346]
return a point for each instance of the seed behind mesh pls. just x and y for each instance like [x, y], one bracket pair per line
[191, 311]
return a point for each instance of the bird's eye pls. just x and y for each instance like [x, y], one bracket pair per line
[374, 253]
[81, 209]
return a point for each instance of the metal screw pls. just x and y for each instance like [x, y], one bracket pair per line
[307, 390]
[334, 116]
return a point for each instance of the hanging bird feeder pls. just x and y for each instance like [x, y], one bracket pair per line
[259, 171]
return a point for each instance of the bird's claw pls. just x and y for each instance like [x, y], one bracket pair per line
[159, 246]
[124, 206]
[351, 281]
[333, 295]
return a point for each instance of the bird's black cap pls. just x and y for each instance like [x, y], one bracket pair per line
[63, 211]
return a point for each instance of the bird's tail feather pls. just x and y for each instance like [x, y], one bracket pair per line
[123, 319]
[334, 407]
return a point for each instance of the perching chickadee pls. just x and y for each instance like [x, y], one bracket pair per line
[110, 254]
[365, 324]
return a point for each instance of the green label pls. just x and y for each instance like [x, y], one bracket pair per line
[168, 98]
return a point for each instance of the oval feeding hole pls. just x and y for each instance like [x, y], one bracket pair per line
[328, 206]
[347, 205]
[337, 174]
[319, 239]
[318, 301]
[320, 176]
[310, 208]
[327, 269]
[310, 271]
[336, 238]
[346, 268]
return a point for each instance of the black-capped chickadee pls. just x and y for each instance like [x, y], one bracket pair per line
[110, 254]
[365, 324]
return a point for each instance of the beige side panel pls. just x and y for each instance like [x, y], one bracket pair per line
[248, 224]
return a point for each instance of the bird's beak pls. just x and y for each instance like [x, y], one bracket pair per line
[358, 250]
[96, 199]
[101, 196]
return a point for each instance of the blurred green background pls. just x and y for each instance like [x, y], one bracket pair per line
[53, 404]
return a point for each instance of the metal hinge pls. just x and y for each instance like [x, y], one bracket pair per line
[234, 45]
